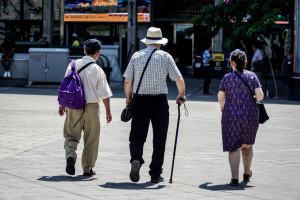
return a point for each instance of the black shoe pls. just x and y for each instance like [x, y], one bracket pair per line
[234, 182]
[157, 180]
[91, 173]
[70, 169]
[247, 177]
[135, 171]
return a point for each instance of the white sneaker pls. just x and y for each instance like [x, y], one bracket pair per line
[5, 74]
[8, 74]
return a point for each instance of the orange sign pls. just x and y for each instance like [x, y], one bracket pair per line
[105, 2]
[104, 17]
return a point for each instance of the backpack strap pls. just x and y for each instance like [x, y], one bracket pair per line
[73, 64]
[85, 66]
[82, 68]
[80, 117]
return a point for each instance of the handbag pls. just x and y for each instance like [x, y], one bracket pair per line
[263, 116]
[127, 113]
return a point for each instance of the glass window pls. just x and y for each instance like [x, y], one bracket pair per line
[56, 12]
[10, 10]
[33, 9]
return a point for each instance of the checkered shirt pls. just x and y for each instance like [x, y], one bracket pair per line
[160, 66]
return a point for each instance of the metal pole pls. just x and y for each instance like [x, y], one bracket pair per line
[132, 26]
[276, 97]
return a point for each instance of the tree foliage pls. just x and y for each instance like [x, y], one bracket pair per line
[242, 19]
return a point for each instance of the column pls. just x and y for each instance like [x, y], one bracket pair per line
[132, 27]
[48, 20]
[297, 38]
[217, 41]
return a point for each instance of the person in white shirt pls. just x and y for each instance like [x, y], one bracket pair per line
[96, 89]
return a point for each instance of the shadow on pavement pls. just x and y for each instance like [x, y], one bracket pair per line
[66, 178]
[242, 186]
[132, 186]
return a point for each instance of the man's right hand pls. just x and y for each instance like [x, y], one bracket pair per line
[61, 110]
[180, 99]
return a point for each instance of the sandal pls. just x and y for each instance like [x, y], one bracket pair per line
[247, 177]
[234, 182]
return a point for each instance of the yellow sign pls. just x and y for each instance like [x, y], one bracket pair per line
[104, 17]
[218, 57]
[105, 2]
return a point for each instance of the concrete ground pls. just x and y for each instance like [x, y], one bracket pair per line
[32, 163]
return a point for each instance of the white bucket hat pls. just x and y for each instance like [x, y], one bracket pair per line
[154, 36]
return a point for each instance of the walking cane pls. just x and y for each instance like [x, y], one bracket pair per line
[176, 136]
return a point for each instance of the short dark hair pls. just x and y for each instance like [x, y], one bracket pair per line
[239, 58]
[90, 51]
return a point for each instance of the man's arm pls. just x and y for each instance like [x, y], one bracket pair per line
[181, 89]
[106, 103]
[128, 90]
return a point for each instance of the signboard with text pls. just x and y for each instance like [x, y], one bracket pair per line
[104, 11]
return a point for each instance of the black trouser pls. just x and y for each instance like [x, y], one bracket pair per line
[156, 109]
[207, 79]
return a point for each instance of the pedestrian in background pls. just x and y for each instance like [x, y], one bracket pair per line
[207, 70]
[151, 103]
[240, 115]
[8, 50]
[96, 89]
[287, 68]
[44, 39]
[239, 46]
[75, 40]
[257, 61]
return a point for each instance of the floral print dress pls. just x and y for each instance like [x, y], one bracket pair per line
[240, 114]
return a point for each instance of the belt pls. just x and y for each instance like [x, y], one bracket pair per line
[151, 95]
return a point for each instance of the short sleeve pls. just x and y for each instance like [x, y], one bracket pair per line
[129, 73]
[222, 84]
[172, 69]
[257, 83]
[103, 87]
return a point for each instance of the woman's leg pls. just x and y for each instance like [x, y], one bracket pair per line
[234, 161]
[247, 155]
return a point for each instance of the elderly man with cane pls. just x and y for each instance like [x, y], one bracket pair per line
[151, 102]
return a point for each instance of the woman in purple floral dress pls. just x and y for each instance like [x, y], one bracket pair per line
[240, 115]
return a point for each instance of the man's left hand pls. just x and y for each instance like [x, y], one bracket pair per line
[108, 117]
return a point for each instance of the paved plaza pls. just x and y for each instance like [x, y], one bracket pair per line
[32, 163]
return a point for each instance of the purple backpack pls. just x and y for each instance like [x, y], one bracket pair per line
[70, 91]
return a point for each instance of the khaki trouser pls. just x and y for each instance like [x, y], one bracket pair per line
[90, 124]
